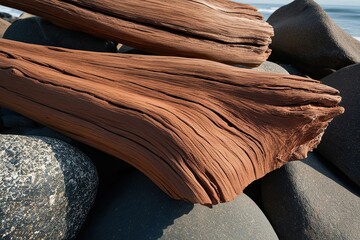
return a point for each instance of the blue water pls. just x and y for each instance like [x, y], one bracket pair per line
[347, 17]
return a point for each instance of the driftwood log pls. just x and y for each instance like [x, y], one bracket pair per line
[201, 130]
[218, 30]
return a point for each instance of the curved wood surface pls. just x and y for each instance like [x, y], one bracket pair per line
[201, 130]
[218, 30]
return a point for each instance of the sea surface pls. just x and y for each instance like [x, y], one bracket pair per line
[347, 17]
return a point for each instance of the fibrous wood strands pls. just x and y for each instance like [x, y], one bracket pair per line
[218, 30]
[201, 130]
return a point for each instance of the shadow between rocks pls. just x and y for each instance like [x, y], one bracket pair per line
[133, 208]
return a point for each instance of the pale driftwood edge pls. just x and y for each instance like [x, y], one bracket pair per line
[218, 30]
[201, 130]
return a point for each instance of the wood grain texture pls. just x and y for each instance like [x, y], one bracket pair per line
[201, 130]
[218, 30]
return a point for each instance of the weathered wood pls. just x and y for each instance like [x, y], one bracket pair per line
[218, 30]
[201, 130]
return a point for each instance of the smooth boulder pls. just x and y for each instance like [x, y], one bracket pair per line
[311, 200]
[267, 66]
[36, 30]
[308, 38]
[47, 188]
[134, 208]
[271, 67]
[341, 141]
[292, 70]
[10, 120]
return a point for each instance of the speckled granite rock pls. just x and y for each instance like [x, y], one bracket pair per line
[39, 31]
[311, 200]
[134, 208]
[47, 188]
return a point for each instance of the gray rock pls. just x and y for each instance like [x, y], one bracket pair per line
[16, 121]
[36, 30]
[341, 142]
[271, 67]
[131, 50]
[310, 200]
[47, 132]
[292, 70]
[267, 67]
[136, 209]
[13, 123]
[47, 188]
[308, 38]
[3, 26]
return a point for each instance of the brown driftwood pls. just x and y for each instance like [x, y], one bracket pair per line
[201, 130]
[218, 30]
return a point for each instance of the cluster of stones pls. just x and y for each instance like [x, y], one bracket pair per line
[48, 186]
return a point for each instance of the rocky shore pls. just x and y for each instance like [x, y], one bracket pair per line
[54, 186]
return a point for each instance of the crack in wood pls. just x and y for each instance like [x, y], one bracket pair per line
[202, 131]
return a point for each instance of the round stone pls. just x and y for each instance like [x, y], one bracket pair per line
[134, 208]
[311, 200]
[341, 141]
[47, 188]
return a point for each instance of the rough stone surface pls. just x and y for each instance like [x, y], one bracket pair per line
[3, 26]
[312, 200]
[308, 38]
[39, 31]
[341, 142]
[136, 209]
[47, 188]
